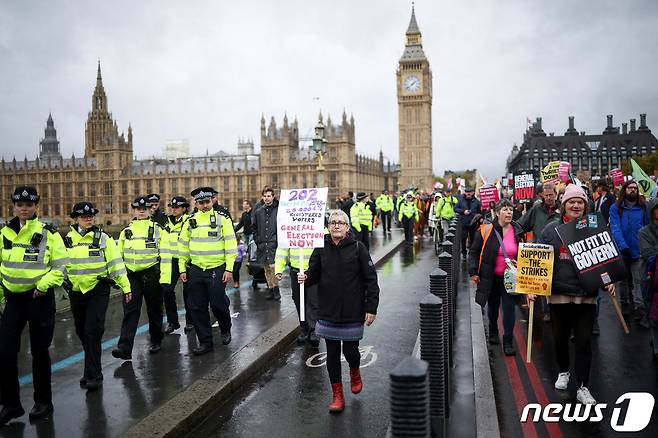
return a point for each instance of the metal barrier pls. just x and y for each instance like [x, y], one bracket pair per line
[410, 415]
[410, 407]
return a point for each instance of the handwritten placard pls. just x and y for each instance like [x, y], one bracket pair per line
[300, 218]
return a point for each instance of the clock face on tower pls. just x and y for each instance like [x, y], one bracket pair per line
[412, 83]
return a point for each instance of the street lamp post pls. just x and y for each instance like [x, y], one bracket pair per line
[320, 147]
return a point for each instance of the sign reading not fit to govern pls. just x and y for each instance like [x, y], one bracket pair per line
[300, 218]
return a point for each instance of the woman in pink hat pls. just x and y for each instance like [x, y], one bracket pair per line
[572, 305]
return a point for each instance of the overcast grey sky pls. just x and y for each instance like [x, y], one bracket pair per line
[206, 70]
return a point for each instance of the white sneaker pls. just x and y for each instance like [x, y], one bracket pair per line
[562, 381]
[584, 396]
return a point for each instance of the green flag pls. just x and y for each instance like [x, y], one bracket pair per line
[646, 184]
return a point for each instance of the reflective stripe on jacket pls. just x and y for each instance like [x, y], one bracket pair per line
[408, 209]
[27, 264]
[147, 246]
[361, 215]
[175, 227]
[384, 203]
[88, 262]
[207, 240]
[285, 256]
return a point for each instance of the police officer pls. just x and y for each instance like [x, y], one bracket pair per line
[33, 260]
[144, 246]
[179, 209]
[385, 206]
[361, 218]
[95, 264]
[207, 242]
[408, 212]
[157, 215]
[290, 257]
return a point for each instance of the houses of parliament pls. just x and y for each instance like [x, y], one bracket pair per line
[110, 177]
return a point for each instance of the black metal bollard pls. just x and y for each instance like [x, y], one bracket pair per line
[410, 403]
[439, 288]
[445, 263]
[446, 246]
[433, 339]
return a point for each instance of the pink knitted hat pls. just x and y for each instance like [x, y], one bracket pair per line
[573, 191]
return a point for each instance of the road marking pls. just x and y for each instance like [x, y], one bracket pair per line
[79, 357]
[320, 359]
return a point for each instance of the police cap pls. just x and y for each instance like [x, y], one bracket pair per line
[83, 208]
[141, 202]
[153, 197]
[360, 196]
[178, 201]
[25, 194]
[203, 193]
[469, 190]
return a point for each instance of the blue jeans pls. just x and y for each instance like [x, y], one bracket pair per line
[496, 295]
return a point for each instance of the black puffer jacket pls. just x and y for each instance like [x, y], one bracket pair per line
[489, 254]
[347, 278]
[264, 229]
[565, 275]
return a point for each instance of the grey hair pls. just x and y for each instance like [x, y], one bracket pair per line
[340, 213]
[549, 186]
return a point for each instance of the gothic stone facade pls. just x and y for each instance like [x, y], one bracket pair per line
[109, 177]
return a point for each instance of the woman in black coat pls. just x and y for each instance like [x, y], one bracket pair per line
[348, 296]
[486, 267]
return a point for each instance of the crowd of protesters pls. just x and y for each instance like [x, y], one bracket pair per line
[572, 309]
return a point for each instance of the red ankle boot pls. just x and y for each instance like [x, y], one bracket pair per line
[338, 403]
[355, 380]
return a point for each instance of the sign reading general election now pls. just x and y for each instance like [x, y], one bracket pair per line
[534, 269]
[300, 218]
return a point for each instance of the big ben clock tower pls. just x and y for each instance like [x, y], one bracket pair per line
[414, 82]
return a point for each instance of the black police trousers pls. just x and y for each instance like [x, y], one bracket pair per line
[408, 226]
[362, 236]
[145, 284]
[169, 296]
[89, 311]
[206, 287]
[386, 220]
[20, 310]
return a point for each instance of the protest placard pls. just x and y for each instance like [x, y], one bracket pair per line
[593, 251]
[488, 194]
[617, 176]
[549, 174]
[534, 269]
[300, 218]
[564, 171]
[524, 187]
[300, 222]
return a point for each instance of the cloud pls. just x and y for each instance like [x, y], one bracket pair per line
[206, 71]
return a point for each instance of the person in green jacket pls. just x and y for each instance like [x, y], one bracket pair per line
[95, 265]
[32, 264]
[445, 211]
[384, 204]
[361, 218]
[408, 213]
[144, 246]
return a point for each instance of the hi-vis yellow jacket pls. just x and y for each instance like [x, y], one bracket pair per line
[144, 244]
[285, 256]
[93, 256]
[32, 257]
[384, 203]
[408, 209]
[361, 216]
[207, 240]
[175, 226]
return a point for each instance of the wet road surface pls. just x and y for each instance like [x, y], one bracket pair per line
[291, 399]
[620, 364]
[132, 390]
